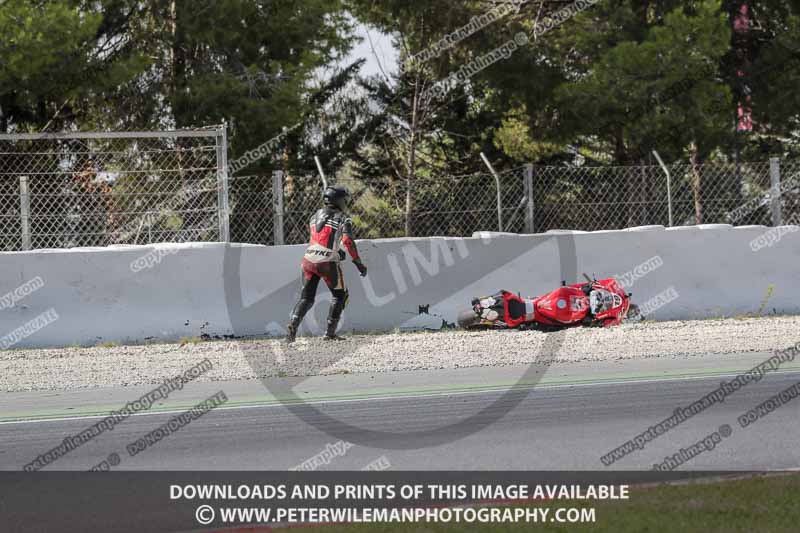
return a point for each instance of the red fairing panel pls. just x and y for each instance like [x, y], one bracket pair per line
[565, 305]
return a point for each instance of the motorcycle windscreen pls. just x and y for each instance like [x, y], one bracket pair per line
[601, 300]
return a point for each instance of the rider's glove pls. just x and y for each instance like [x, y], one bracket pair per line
[342, 255]
[360, 266]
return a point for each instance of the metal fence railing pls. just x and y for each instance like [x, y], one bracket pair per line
[96, 189]
[533, 199]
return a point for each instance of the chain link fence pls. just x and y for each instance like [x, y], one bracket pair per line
[594, 198]
[98, 189]
[532, 199]
[447, 205]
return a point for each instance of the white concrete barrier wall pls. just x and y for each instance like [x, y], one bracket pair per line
[139, 293]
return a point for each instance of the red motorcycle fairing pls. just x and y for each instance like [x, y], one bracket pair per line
[565, 305]
[601, 303]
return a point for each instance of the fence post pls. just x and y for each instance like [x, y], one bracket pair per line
[25, 212]
[223, 205]
[528, 186]
[499, 197]
[775, 190]
[669, 187]
[277, 206]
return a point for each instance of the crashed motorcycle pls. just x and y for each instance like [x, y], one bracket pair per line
[596, 303]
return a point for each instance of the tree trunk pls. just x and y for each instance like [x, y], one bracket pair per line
[644, 195]
[412, 158]
[178, 81]
[3, 120]
[623, 217]
[620, 151]
[177, 59]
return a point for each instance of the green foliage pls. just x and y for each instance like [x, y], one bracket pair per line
[612, 83]
[57, 59]
[656, 91]
[516, 140]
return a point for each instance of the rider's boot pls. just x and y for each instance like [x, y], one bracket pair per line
[291, 330]
[299, 312]
[337, 306]
[331, 335]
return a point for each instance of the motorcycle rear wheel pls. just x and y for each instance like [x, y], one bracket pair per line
[467, 319]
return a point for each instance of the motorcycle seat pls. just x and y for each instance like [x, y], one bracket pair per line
[516, 309]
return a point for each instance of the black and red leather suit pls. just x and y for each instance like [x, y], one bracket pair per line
[330, 229]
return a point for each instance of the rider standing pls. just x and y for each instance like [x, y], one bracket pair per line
[330, 227]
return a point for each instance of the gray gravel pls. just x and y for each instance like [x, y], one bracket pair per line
[70, 368]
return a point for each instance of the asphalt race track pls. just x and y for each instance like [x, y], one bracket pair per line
[576, 414]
